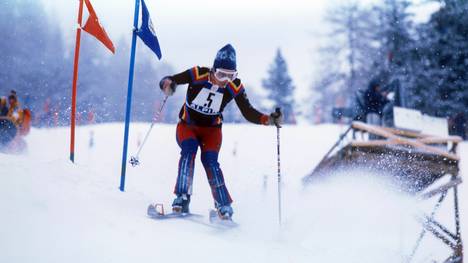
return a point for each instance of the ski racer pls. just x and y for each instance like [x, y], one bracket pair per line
[200, 121]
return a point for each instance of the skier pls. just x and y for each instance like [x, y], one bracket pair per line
[200, 120]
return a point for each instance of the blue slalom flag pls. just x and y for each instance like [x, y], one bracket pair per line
[148, 36]
[146, 31]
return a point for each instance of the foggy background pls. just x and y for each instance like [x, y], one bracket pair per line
[328, 50]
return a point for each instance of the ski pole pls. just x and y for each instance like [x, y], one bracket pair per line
[278, 110]
[134, 160]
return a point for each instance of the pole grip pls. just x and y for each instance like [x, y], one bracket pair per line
[278, 112]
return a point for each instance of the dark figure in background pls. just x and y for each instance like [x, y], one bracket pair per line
[370, 101]
[373, 105]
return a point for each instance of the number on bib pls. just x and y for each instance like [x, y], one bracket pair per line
[207, 102]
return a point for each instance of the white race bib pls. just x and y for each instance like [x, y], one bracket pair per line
[207, 102]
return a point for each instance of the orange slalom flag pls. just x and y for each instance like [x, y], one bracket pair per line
[94, 28]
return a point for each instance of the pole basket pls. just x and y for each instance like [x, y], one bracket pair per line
[134, 161]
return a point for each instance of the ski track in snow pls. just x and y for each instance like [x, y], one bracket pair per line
[55, 211]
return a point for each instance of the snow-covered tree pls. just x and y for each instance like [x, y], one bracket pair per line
[439, 75]
[347, 60]
[32, 53]
[280, 87]
[36, 62]
[395, 43]
[393, 32]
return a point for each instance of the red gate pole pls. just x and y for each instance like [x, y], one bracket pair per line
[75, 80]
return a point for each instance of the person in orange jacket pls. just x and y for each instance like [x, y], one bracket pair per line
[15, 113]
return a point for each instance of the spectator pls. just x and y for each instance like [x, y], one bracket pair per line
[15, 113]
[371, 100]
[3, 107]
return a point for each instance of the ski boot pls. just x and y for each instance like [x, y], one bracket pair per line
[225, 212]
[181, 204]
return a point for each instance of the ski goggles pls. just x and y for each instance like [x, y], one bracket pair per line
[225, 75]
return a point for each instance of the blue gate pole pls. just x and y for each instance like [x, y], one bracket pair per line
[129, 96]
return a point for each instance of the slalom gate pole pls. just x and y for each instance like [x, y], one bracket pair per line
[74, 84]
[278, 110]
[129, 96]
[134, 160]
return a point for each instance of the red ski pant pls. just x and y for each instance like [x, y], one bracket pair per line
[209, 139]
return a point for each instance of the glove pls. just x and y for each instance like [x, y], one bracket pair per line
[391, 96]
[167, 86]
[276, 118]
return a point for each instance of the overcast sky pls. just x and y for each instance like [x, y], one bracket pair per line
[191, 32]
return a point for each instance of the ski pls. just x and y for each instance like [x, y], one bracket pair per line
[156, 212]
[215, 219]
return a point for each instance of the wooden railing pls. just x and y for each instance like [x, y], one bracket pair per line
[396, 137]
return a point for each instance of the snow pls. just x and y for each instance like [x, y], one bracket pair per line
[55, 211]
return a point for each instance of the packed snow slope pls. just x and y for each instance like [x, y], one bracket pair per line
[55, 211]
